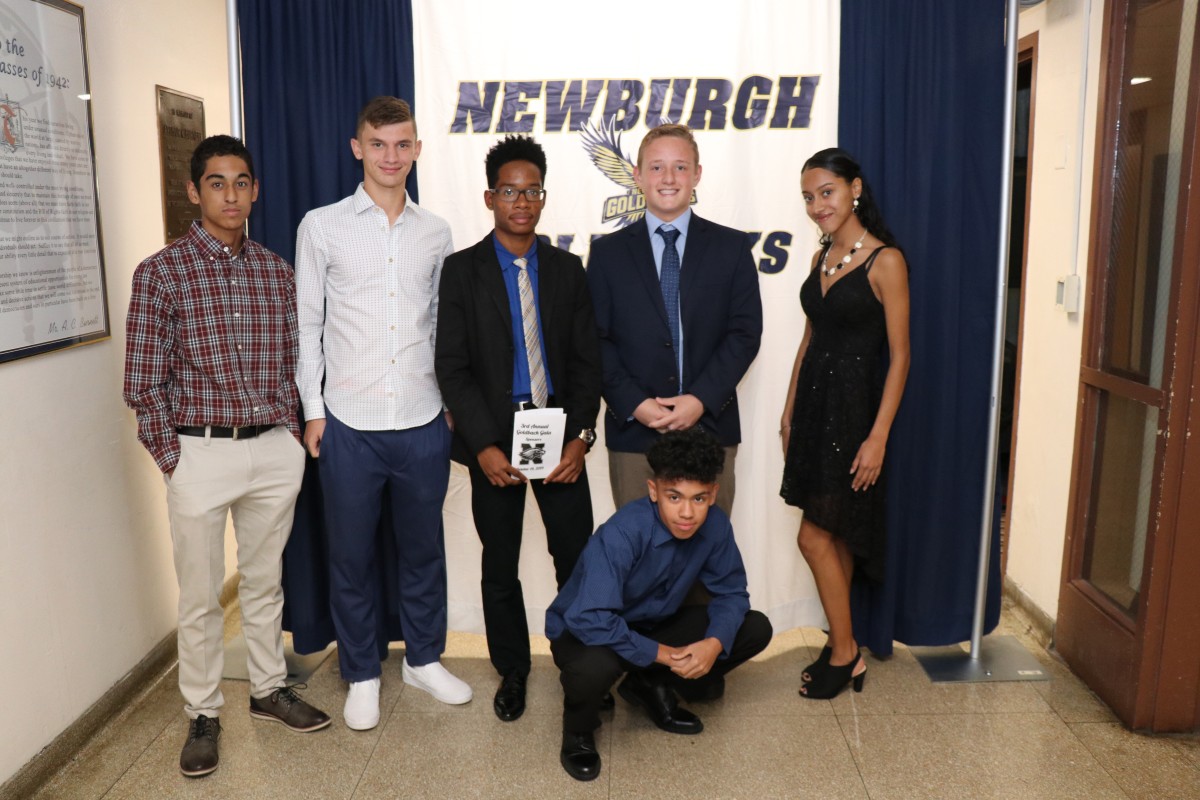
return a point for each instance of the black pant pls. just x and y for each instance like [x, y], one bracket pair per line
[588, 671]
[499, 514]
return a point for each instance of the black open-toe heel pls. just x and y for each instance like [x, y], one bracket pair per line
[810, 672]
[829, 682]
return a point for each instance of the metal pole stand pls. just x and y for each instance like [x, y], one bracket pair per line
[1000, 658]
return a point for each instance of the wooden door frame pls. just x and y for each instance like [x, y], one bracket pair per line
[1174, 669]
[1144, 666]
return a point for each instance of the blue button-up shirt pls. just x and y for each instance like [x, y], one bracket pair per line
[520, 388]
[633, 573]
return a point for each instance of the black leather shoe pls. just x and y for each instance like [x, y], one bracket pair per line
[659, 702]
[579, 756]
[284, 705]
[509, 703]
[701, 691]
[199, 756]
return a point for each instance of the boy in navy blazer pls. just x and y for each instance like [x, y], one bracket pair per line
[678, 314]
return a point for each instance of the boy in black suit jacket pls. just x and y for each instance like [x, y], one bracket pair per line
[515, 331]
[679, 315]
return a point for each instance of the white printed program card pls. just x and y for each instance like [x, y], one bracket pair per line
[538, 440]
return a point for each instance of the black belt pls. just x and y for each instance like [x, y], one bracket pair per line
[247, 432]
[525, 405]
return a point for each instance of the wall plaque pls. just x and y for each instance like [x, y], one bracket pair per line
[180, 129]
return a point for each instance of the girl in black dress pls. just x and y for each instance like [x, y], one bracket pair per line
[840, 405]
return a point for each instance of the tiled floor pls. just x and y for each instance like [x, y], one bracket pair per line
[903, 737]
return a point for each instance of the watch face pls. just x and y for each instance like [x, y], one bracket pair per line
[588, 436]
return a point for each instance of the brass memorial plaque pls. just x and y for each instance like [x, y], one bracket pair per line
[180, 129]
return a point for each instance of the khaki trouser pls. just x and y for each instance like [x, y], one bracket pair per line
[256, 480]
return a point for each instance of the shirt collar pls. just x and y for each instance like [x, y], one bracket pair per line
[211, 245]
[362, 201]
[507, 258]
[680, 223]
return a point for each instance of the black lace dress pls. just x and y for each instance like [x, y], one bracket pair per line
[837, 398]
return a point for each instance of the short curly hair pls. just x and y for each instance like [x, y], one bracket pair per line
[513, 148]
[691, 455]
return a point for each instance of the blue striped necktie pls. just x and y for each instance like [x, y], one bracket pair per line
[533, 339]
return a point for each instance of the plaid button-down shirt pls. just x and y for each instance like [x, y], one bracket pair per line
[211, 339]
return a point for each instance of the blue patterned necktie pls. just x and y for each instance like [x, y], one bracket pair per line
[669, 281]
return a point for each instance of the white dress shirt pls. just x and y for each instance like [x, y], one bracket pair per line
[366, 293]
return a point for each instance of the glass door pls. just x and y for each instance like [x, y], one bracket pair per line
[1123, 477]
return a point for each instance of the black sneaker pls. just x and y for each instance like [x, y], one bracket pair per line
[284, 705]
[199, 756]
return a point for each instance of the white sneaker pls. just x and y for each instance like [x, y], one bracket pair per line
[435, 679]
[362, 705]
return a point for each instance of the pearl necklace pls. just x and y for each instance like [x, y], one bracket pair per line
[829, 271]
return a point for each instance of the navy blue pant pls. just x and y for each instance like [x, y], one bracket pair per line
[412, 467]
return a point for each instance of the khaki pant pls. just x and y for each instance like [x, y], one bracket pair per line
[256, 480]
[628, 473]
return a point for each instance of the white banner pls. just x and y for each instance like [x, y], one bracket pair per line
[757, 82]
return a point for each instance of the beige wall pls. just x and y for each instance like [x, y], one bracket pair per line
[87, 586]
[1060, 211]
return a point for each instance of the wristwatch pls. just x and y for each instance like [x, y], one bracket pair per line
[588, 437]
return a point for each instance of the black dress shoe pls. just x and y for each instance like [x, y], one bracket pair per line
[199, 756]
[702, 690]
[659, 702]
[509, 703]
[579, 756]
[284, 705]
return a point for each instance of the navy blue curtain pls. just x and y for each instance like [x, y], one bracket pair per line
[921, 107]
[308, 66]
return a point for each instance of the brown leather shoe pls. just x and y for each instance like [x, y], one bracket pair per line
[199, 756]
[285, 706]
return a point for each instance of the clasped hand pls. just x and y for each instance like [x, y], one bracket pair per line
[690, 661]
[669, 413]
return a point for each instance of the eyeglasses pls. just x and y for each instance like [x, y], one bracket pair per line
[509, 195]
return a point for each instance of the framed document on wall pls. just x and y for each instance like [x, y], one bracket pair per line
[52, 287]
[180, 129]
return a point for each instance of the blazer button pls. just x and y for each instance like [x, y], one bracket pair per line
[672, 379]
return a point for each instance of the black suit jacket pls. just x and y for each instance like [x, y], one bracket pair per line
[475, 348]
[721, 313]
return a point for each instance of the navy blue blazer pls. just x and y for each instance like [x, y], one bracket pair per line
[721, 313]
[474, 351]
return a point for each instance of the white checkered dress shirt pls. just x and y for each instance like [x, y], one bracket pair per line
[367, 306]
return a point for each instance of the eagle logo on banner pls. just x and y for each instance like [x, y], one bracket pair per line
[603, 146]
